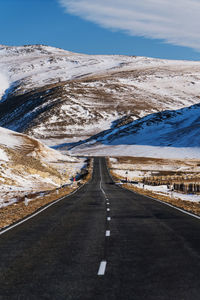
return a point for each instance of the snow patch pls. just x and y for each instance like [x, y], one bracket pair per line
[138, 151]
[4, 84]
[3, 155]
[10, 139]
[164, 190]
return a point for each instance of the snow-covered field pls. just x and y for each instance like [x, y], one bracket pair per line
[164, 190]
[135, 169]
[137, 151]
[160, 189]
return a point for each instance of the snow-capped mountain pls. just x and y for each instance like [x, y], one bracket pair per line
[172, 132]
[58, 96]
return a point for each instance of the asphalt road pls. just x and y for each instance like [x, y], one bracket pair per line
[143, 249]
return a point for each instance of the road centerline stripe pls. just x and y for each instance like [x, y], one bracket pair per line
[102, 268]
[107, 232]
[108, 218]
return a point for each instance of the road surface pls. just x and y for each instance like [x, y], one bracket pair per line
[102, 242]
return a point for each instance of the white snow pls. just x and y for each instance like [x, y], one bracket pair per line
[164, 83]
[4, 84]
[126, 82]
[18, 179]
[15, 140]
[146, 170]
[3, 155]
[135, 170]
[38, 65]
[138, 151]
[163, 190]
[178, 128]
[10, 139]
[169, 134]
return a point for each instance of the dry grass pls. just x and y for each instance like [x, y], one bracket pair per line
[189, 206]
[160, 170]
[156, 161]
[18, 211]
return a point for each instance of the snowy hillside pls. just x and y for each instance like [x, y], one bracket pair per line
[37, 65]
[28, 165]
[59, 96]
[172, 134]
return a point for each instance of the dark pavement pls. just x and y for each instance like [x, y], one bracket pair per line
[153, 251]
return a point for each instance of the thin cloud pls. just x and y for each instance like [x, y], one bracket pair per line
[175, 21]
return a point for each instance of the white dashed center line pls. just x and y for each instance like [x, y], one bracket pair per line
[107, 232]
[108, 209]
[108, 218]
[102, 268]
[108, 203]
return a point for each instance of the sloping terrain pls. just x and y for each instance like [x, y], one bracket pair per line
[170, 133]
[59, 96]
[26, 165]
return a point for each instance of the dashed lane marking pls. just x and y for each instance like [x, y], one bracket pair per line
[108, 209]
[102, 268]
[107, 232]
[108, 218]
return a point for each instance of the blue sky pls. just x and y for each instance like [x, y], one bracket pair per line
[105, 26]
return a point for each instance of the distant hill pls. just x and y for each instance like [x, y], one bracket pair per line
[26, 164]
[59, 96]
[168, 134]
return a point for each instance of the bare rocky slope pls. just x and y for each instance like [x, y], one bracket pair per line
[59, 96]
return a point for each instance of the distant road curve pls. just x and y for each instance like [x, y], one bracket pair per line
[102, 242]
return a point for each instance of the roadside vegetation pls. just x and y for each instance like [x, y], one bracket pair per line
[30, 203]
[173, 181]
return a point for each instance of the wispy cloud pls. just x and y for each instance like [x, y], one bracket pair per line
[175, 21]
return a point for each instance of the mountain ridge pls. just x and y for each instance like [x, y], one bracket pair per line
[59, 96]
[167, 134]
